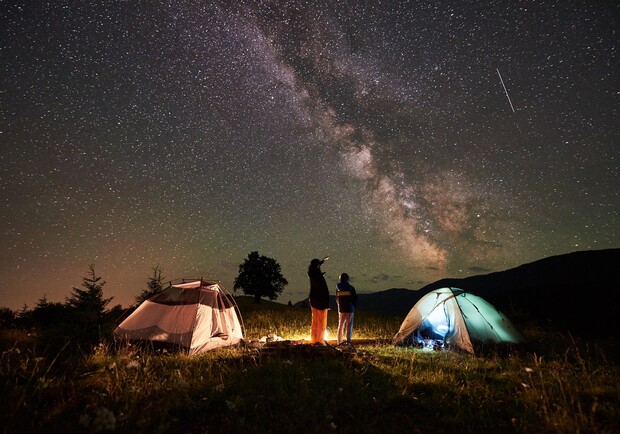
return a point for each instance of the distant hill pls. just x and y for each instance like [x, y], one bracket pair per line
[395, 301]
[576, 292]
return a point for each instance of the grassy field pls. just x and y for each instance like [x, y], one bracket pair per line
[556, 384]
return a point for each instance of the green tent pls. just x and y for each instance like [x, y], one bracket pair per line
[455, 318]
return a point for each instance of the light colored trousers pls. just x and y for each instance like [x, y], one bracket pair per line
[319, 324]
[345, 326]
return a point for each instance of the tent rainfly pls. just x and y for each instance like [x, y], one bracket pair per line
[195, 314]
[457, 318]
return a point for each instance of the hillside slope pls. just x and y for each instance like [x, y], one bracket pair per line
[576, 292]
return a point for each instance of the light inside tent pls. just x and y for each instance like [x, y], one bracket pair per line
[438, 321]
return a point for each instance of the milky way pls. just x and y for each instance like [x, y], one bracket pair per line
[188, 134]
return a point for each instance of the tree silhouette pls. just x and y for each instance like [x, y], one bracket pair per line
[260, 276]
[23, 317]
[87, 306]
[7, 317]
[46, 314]
[154, 285]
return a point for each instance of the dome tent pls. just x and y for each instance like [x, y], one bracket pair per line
[457, 318]
[195, 314]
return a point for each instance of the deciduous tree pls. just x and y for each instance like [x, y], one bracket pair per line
[260, 276]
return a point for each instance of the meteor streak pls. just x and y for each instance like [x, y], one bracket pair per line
[505, 90]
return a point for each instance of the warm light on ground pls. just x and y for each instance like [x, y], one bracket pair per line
[308, 338]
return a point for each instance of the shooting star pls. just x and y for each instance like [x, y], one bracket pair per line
[505, 90]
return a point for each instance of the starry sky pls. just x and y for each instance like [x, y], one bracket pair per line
[410, 141]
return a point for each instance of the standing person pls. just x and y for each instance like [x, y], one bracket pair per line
[319, 301]
[346, 298]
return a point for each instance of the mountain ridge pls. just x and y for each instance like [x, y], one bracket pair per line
[567, 292]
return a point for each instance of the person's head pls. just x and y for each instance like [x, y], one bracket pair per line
[315, 264]
[344, 277]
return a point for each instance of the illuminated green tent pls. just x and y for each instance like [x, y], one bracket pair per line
[455, 318]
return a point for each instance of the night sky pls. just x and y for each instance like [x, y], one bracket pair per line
[190, 133]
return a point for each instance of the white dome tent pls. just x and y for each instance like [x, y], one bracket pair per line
[456, 318]
[195, 314]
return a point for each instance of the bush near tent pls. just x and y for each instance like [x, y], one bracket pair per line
[455, 318]
[195, 314]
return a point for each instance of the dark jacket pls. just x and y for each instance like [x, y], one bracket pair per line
[346, 297]
[319, 293]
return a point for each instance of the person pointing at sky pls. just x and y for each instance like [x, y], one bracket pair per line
[319, 301]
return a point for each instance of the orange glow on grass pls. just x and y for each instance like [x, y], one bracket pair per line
[309, 338]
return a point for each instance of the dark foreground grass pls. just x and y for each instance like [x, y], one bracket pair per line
[570, 386]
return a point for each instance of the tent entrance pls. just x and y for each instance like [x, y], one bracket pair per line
[433, 330]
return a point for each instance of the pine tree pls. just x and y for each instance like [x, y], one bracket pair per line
[87, 306]
[46, 314]
[154, 285]
[23, 317]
